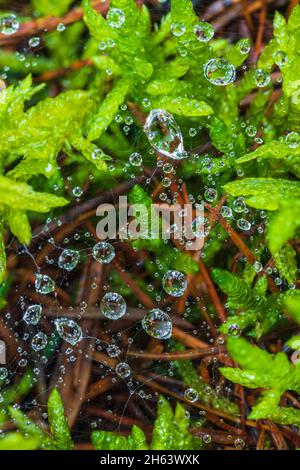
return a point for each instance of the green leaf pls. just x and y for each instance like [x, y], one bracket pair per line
[2, 253]
[15, 441]
[185, 106]
[263, 193]
[286, 263]
[19, 224]
[274, 149]
[105, 440]
[58, 422]
[29, 428]
[284, 224]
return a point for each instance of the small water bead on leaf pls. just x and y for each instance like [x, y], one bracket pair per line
[244, 46]
[251, 131]
[68, 260]
[113, 306]
[39, 341]
[135, 159]
[104, 252]
[295, 357]
[68, 330]
[261, 78]
[219, 72]
[204, 31]
[226, 212]
[123, 370]
[257, 267]
[280, 58]
[9, 24]
[60, 27]
[164, 134]
[191, 395]
[115, 18]
[3, 373]
[33, 314]
[177, 29]
[292, 140]
[174, 283]
[239, 205]
[234, 330]
[44, 284]
[157, 324]
[243, 224]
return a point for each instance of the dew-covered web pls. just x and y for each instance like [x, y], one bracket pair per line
[81, 313]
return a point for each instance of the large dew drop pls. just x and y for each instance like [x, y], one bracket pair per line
[123, 370]
[103, 252]
[219, 72]
[157, 324]
[164, 134]
[9, 24]
[39, 341]
[68, 260]
[68, 330]
[115, 18]
[32, 314]
[44, 284]
[113, 306]
[174, 283]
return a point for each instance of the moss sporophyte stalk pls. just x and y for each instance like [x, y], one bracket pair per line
[149, 225]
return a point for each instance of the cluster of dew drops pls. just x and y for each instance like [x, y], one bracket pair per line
[165, 137]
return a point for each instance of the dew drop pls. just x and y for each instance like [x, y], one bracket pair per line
[68, 330]
[3, 373]
[113, 350]
[33, 314]
[104, 252]
[39, 341]
[174, 283]
[157, 324]
[135, 159]
[123, 370]
[44, 284]
[219, 72]
[204, 31]
[9, 24]
[68, 260]
[34, 42]
[261, 78]
[243, 224]
[164, 134]
[177, 29]
[292, 140]
[115, 18]
[113, 306]
[234, 330]
[191, 395]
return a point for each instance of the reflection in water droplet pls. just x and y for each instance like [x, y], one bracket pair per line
[115, 17]
[3, 373]
[157, 324]
[123, 370]
[219, 72]
[33, 314]
[68, 330]
[261, 78]
[103, 252]
[113, 306]
[68, 260]
[44, 284]
[191, 395]
[39, 341]
[204, 31]
[9, 24]
[174, 283]
[164, 134]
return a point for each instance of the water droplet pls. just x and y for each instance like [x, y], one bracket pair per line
[177, 29]
[115, 18]
[244, 46]
[234, 330]
[113, 350]
[239, 443]
[104, 252]
[68, 330]
[32, 314]
[226, 212]
[113, 306]
[174, 283]
[191, 395]
[77, 191]
[251, 131]
[210, 194]
[3, 373]
[68, 260]
[44, 284]
[164, 134]
[157, 324]
[219, 72]
[239, 205]
[123, 370]
[204, 31]
[39, 341]
[257, 266]
[135, 159]
[60, 27]
[292, 140]
[206, 438]
[261, 78]
[243, 224]
[9, 24]
[34, 42]
[295, 357]
[280, 58]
